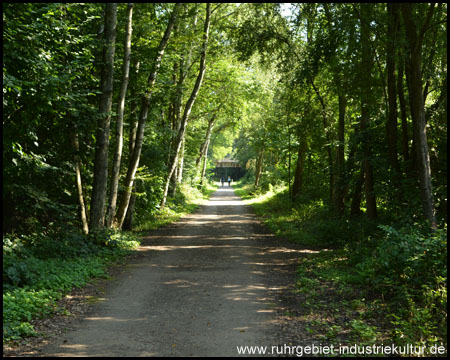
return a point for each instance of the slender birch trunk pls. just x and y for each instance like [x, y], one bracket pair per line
[205, 161]
[298, 176]
[340, 158]
[129, 180]
[402, 101]
[391, 124]
[258, 169]
[205, 144]
[76, 158]
[189, 104]
[119, 125]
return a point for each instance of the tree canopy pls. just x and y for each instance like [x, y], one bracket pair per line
[349, 99]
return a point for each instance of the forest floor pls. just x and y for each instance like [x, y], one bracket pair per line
[213, 281]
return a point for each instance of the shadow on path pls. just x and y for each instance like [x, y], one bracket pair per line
[203, 286]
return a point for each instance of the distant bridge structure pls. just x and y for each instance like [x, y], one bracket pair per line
[228, 167]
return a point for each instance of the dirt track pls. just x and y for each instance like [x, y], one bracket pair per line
[203, 286]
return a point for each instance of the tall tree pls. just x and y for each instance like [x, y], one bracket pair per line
[129, 179]
[189, 103]
[340, 156]
[103, 125]
[120, 112]
[259, 167]
[415, 33]
[76, 157]
[298, 175]
[391, 124]
[203, 154]
[403, 116]
[365, 86]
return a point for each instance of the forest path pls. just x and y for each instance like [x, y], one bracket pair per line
[202, 287]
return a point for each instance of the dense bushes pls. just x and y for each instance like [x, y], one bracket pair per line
[409, 268]
[397, 268]
[405, 257]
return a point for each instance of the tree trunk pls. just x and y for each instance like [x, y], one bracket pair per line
[205, 161]
[417, 105]
[391, 124]
[181, 163]
[128, 221]
[182, 68]
[401, 99]
[327, 137]
[366, 83]
[289, 157]
[258, 169]
[128, 185]
[298, 175]
[178, 174]
[102, 138]
[340, 158]
[119, 124]
[189, 104]
[76, 158]
[204, 147]
[355, 207]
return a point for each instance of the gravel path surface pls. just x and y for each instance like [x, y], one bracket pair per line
[211, 282]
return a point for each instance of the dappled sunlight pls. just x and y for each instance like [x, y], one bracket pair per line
[181, 247]
[75, 346]
[225, 202]
[82, 350]
[181, 283]
[287, 250]
[212, 219]
[210, 274]
[109, 318]
[242, 328]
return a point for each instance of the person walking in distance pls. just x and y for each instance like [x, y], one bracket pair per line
[229, 181]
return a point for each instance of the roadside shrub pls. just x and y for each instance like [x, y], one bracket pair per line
[403, 266]
[406, 257]
[410, 269]
[21, 306]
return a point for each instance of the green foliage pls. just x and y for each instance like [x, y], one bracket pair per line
[21, 306]
[186, 199]
[401, 255]
[308, 220]
[410, 268]
[401, 268]
[34, 276]
[49, 85]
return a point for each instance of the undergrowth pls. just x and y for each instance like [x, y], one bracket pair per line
[388, 277]
[186, 199]
[39, 269]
